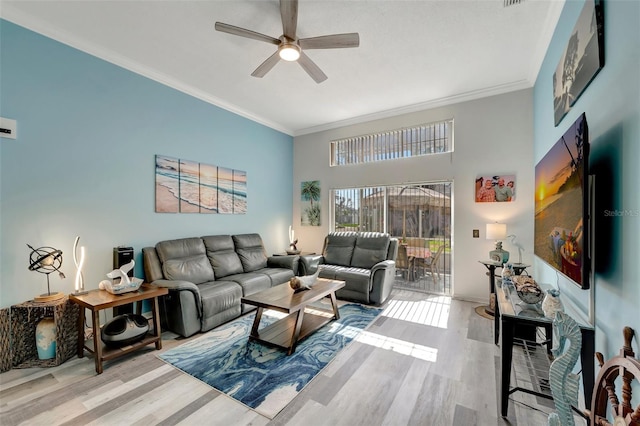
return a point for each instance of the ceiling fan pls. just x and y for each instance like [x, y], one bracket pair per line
[291, 48]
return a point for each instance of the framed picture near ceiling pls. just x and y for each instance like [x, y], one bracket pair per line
[310, 203]
[491, 188]
[581, 60]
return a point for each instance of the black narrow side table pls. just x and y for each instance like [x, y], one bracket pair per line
[491, 266]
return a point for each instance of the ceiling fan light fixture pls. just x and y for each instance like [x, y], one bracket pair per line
[289, 52]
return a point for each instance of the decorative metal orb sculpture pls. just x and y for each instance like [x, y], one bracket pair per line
[46, 260]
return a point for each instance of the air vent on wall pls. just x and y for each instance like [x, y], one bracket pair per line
[8, 128]
[512, 2]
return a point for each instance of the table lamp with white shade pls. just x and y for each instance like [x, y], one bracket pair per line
[498, 231]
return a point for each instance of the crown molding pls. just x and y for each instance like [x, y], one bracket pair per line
[551, 22]
[435, 103]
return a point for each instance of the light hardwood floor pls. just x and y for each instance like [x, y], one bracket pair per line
[427, 360]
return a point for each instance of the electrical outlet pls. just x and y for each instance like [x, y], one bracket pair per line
[476, 233]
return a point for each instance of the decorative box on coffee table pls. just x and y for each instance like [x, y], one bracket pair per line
[24, 319]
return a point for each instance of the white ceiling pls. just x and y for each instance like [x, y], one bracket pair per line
[413, 55]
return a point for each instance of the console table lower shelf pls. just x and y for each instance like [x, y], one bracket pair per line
[98, 300]
[530, 360]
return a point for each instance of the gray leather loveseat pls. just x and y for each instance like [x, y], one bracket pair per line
[364, 260]
[207, 277]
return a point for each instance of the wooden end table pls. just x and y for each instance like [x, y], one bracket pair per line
[288, 331]
[97, 300]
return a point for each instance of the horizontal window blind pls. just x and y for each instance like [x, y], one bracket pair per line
[425, 139]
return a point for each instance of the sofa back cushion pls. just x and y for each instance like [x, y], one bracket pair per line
[185, 259]
[251, 251]
[222, 255]
[338, 248]
[371, 248]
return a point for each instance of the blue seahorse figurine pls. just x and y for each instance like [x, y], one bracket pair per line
[564, 384]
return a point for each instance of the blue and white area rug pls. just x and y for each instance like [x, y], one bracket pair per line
[263, 377]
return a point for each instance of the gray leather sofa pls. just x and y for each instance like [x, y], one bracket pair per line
[364, 260]
[207, 277]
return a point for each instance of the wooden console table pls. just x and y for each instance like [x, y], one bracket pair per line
[510, 314]
[97, 300]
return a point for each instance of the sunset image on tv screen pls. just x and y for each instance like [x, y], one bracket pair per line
[559, 203]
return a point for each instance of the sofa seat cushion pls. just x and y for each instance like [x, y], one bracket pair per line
[251, 282]
[277, 275]
[217, 296]
[220, 302]
[339, 248]
[371, 248]
[356, 279]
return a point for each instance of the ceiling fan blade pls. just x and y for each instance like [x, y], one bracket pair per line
[266, 66]
[311, 68]
[243, 32]
[333, 41]
[289, 15]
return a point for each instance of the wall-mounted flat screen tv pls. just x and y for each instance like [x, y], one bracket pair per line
[561, 205]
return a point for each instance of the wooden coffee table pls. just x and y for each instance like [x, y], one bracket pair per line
[288, 331]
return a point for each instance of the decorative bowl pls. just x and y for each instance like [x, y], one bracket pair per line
[304, 282]
[122, 288]
[528, 290]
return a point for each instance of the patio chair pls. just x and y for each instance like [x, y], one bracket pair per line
[432, 264]
[403, 264]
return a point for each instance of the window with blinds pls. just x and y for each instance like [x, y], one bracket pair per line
[425, 139]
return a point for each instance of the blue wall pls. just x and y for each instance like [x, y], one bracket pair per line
[612, 106]
[83, 163]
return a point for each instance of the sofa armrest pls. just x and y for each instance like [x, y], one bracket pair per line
[288, 262]
[309, 264]
[385, 264]
[381, 281]
[175, 285]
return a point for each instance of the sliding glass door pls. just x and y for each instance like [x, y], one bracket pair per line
[419, 215]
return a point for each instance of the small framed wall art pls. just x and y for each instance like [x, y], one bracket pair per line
[492, 188]
[310, 203]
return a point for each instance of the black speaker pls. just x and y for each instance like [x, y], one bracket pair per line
[121, 256]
